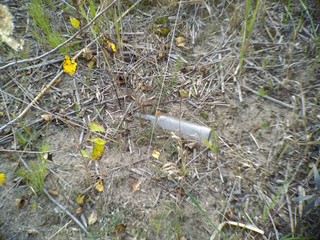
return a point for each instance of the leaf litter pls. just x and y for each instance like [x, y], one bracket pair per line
[251, 160]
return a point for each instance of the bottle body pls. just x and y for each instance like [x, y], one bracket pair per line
[185, 128]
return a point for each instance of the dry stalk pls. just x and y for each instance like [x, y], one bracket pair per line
[269, 98]
[237, 224]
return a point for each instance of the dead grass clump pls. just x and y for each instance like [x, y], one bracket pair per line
[248, 69]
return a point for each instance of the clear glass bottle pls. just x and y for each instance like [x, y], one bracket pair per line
[181, 127]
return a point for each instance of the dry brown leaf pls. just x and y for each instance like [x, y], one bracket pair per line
[120, 228]
[88, 54]
[170, 168]
[135, 186]
[21, 202]
[92, 218]
[47, 117]
[79, 210]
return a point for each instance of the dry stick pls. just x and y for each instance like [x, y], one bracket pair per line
[53, 81]
[33, 101]
[292, 225]
[269, 98]
[237, 80]
[66, 211]
[62, 44]
[238, 224]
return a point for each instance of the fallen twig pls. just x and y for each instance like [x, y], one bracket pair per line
[269, 98]
[66, 211]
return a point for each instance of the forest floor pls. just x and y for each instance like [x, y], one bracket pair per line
[249, 73]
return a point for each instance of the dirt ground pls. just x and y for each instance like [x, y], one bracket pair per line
[265, 115]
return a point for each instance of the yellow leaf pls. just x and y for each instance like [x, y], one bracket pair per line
[109, 45]
[183, 93]
[69, 65]
[99, 185]
[95, 127]
[92, 218]
[97, 151]
[180, 41]
[84, 153]
[75, 22]
[155, 154]
[3, 179]
[80, 199]
[53, 192]
[98, 141]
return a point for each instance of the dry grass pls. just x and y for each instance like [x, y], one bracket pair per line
[266, 123]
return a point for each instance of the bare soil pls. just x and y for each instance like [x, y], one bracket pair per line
[265, 117]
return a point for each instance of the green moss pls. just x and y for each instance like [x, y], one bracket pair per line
[162, 31]
[162, 20]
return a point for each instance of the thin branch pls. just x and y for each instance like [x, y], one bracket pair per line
[66, 211]
[49, 85]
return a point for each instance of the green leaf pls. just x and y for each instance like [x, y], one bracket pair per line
[262, 92]
[301, 198]
[95, 127]
[316, 177]
[84, 153]
[183, 93]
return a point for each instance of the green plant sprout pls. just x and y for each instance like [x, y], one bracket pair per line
[246, 30]
[40, 17]
[36, 173]
[212, 142]
[315, 198]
